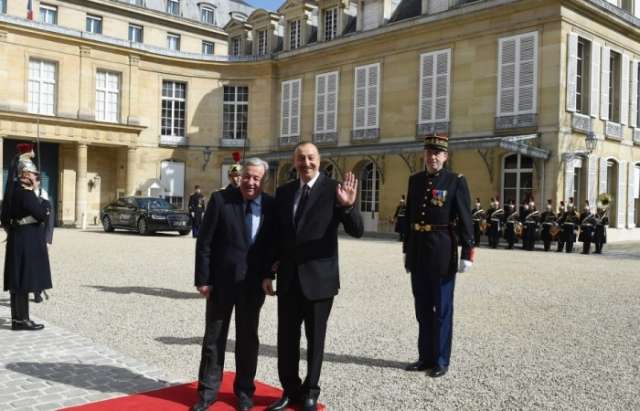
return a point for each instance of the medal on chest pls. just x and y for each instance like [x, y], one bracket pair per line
[438, 197]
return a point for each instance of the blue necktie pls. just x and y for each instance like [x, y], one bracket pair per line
[248, 222]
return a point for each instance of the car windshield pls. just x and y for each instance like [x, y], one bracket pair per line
[155, 204]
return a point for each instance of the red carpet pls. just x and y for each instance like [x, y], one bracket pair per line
[181, 397]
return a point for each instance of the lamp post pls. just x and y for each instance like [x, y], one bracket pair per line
[591, 142]
[206, 155]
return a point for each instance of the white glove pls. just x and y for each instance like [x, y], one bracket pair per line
[465, 265]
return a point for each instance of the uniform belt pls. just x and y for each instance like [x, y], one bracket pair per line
[26, 220]
[425, 228]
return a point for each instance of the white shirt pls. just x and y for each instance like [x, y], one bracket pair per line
[296, 199]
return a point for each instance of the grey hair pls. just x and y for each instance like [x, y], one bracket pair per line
[258, 162]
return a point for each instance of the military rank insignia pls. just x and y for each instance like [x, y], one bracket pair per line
[438, 197]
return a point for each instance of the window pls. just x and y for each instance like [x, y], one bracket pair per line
[294, 34]
[48, 14]
[235, 112]
[369, 199]
[207, 15]
[136, 33]
[94, 24]
[173, 7]
[614, 86]
[107, 96]
[3, 6]
[435, 69]
[636, 91]
[235, 46]
[517, 75]
[290, 108]
[208, 48]
[371, 14]
[517, 178]
[262, 42]
[173, 42]
[42, 87]
[137, 2]
[582, 77]
[330, 23]
[326, 102]
[174, 97]
[366, 98]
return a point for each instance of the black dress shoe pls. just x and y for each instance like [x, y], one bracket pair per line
[438, 372]
[310, 404]
[244, 403]
[282, 404]
[37, 297]
[202, 405]
[418, 366]
[26, 325]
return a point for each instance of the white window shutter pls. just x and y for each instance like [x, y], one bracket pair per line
[631, 198]
[602, 178]
[443, 70]
[621, 195]
[321, 99]
[527, 73]
[604, 83]
[624, 91]
[331, 103]
[295, 108]
[426, 87]
[594, 100]
[569, 173]
[286, 99]
[592, 179]
[359, 101]
[572, 71]
[506, 77]
[373, 79]
[633, 94]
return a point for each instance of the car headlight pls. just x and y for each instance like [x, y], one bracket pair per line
[158, 217]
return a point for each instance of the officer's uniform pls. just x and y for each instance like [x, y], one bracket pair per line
[400, 216]
[494, 226]
[600, 232]
[587, 228]
[438, 218]
[511, 218]
[196, 208]
[548, 219]
[530, 227]
[477, 216]
[570, 222]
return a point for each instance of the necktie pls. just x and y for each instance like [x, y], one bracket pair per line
[248, 222]
[301, 204]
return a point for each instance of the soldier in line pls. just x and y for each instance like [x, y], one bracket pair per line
[562, 210]
[600, 232]
[522, 216]
[511, 218]
[235, 175]
[570, 222]
[530, 226]
[548, 220]
[495, 218]
[196, 209]
[399, 218]
[587, 220]
[478, 215]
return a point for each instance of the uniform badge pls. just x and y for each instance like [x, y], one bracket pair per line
[438, 197]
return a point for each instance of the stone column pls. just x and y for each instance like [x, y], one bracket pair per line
[132, 159]
[81, 187]
[134, 85]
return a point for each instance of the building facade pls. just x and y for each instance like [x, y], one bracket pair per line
[517, 85]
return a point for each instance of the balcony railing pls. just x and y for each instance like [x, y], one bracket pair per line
[325, 138]
[365, 135]
[173, 141]
[516, 121]
[288, 141]
[233, 142]
[423, 129]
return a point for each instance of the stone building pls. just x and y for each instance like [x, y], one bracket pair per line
[519, 86]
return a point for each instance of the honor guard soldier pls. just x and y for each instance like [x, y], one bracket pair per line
[196, 209]
[530, 227]
[600, 232]
[511, 219]
[438, 212]
[562, 210]
[548, 221]
[587, 228]
[399, 218]
[569, 224]
[495, 218]
[478, 214]
[235, 171]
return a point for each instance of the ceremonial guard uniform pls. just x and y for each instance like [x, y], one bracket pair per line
[530, 227]
[570, 222]
[478, 214]
[495, 219]
[400, 218]
[559, 219]
[196, 209]
[511, 219]
[439, 218]
[24, 214]
[587, 222]
[600, 233]
[548, 221]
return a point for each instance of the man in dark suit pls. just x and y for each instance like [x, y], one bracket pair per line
[196, 209]
[309, 211]
[233, 251]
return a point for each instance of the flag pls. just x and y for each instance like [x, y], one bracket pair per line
[30, 9]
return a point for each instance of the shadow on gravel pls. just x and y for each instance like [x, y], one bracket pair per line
[272, 351]
[103, 378]
[152, 291]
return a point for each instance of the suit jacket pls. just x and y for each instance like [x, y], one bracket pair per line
[310, 251]
[225, 259]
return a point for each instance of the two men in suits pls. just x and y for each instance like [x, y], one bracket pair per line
[234, 251]
[309, 211]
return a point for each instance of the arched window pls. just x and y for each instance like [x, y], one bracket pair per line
[369, 189]
[517, 178]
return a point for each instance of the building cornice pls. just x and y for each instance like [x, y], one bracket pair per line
[64, 121]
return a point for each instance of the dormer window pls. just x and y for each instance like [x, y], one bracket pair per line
[262, 42]
[295, 36]
[173, 7]
[235, 46]
[208, 15]
[330, 21]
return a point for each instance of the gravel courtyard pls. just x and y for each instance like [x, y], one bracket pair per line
[533, 330]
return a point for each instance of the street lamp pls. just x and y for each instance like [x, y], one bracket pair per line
[591, 141]
[206, 155]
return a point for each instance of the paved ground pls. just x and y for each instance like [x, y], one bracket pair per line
[533, 330]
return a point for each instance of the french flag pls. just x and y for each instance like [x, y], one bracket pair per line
[30, 10]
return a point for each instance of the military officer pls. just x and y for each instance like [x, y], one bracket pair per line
[511, 218]
[196, 209]
[548, 220]
[530, 227]
[399, 218]
[478, 214]
[587, 221]
[437, 211]
[600, 232]
[495, 216]
[562, 210]
[570, 222]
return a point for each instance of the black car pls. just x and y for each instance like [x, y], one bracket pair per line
[145, 215]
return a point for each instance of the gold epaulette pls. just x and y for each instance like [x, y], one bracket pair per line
[460, 175]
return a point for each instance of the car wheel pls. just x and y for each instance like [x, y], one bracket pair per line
[106, 224]
[184, 232]
[143, 228]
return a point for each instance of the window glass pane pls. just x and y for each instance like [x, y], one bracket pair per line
[510, 180]
[526, 162]
[526, 180]
[511, 161]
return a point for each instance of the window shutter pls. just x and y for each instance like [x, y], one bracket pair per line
[527, 75]
[604, 84]
[286, 98]
[592, 179]
[321, 96]
[572, 71]
[331, 107]
[631, 198]
[569, 172]
[373, 78]
[594, 101]
[624, 91]
[507, 77]
[359, 109]
[602, 186]
[295, 108]
[621, 195]
[633, 94]
[426, 87]
[443, 68]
